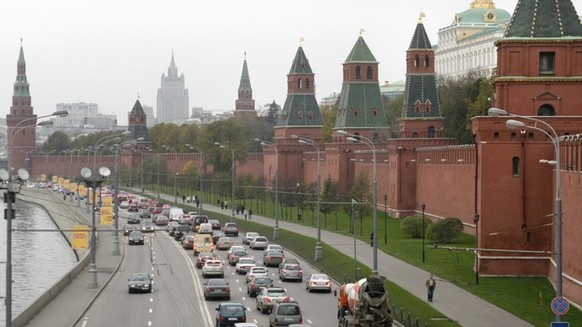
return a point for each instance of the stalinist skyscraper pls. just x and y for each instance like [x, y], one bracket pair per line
[173, 100]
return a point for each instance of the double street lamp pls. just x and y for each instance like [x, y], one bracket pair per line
[303, 140]
[232, 204]
[274, 146]
[555, 139]
[200, 174]
[9, 214]
[169, 148]
[362, 139]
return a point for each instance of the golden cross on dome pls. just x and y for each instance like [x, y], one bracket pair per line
[421, 17]
[362, 31]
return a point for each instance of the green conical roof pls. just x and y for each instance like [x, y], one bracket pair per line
[245, 80]
[544, 19]
[300, 63]
[139, 130]
[420, 38]
[360, 52]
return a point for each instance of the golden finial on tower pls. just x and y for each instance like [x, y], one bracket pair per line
[301, 40]
[421, 17]
[362, 31]
[138, 96]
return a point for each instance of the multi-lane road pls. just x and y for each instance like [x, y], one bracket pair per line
[177, 297]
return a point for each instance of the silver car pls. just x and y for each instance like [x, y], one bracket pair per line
[318, 282]
[285, 314]
[267, 298]
[259, 242]
[213, 268]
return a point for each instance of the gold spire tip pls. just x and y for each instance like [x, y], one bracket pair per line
[362, 31]
[301, 41]
[421, 17]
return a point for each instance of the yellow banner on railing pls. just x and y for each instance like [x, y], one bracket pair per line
[80, 237]
[106, 216]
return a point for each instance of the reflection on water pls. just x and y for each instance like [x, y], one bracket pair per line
[39, 259]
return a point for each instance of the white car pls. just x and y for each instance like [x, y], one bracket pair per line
[254, 271]
[235, 248]
[259, 242]
[244, 264]
[213, 268]
[124, 205]
[249, 237]
[273, 247]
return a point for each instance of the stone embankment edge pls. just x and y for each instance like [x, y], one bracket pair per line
[43, 299]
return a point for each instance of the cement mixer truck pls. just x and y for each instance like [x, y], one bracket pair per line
[364, 304]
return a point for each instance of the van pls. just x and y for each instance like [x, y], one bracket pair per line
[199, 219]
[203, 243]
[205, 228]
[175, 213]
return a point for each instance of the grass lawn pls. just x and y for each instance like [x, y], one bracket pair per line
[526, 297]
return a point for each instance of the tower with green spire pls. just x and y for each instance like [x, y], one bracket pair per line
[245, 105]
[360, 104]
[300, 115]
[21, 120]
[137, 120]
[421, 108]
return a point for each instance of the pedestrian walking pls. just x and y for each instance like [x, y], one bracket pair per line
[430, 286]
[226, 205]
[245, 213]
[184, 199]
[222, 205]
[237, 210]
[250, 214]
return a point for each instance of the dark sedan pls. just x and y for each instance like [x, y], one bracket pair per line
[128, 228]
[273, 258]
[133, 219]
[136, 237]
[258, 283]
[140, 282]
[216, 288]
[230, 313]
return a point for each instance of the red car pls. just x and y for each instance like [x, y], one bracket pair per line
[202, 257]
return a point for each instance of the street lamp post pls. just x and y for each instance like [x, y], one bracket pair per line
[232, 204]
[555, 139]
[423, 206]
[201, 175]
[385, 219]
[318, 244]
[370, 143]
[9, 217]
[274, 146]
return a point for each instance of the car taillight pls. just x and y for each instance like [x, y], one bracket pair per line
[327, 283]
[267, 300]
[286, 299]
[227, 289]
[312, 283]
[221, 318]
[208, 289]
[244, 318]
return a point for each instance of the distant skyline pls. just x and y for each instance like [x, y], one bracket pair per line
[107, 52]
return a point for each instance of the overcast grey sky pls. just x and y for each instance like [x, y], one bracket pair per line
[108, 51]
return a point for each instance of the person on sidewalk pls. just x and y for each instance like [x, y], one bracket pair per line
[430, 286]
[245, 214]
[250, 214]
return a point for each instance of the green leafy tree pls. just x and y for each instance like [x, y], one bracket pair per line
[393, 107]
[273, 113]
[445, 231]
[329, 114]
[57, 142]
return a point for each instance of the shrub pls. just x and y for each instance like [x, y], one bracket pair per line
[445, 231]
[412, 226]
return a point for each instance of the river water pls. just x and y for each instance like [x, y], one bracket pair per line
[39, 259]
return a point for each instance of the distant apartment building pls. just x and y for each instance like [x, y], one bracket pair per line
[150, 118]
[83, 115]
[468, 44]
[197, 112]
[329, 100]
[392, 89]
[172, 100]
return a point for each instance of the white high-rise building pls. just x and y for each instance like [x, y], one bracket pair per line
[173, 100]
[468, 44]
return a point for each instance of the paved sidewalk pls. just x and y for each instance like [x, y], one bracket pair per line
[451, 300]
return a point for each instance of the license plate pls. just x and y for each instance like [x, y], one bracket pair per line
[232, 319]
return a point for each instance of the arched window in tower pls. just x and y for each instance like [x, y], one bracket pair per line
[415, 135]
[375, 112]
[417, 106]
[300, 115]
[307, 83]
[515, 166]
[369, 72]
[356, 112]
[426, 61]
[427, 106]
[431, 132]
[299, 82]
[358, 72]
[547, 110]
[416, 61]
[310, 116]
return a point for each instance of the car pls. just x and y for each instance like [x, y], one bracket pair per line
[233, 257]
[259, 243]
[258, 283]
[216, 225]
[140, 282]
[133, 208]
[202, 243]
[202, 257]
[290, 271]
[272, 258]
[135, 237]
[318, 282]
[128, 228]
[216, 235]
[133, 219]
[213, 268]
[285, 314]
[244, 264]
[254, 272]
[235, 248]
[199, 219]
[229, 313]
[205, 228]
[224, 243]
[161, 220]
[230, 229]
[148, 228]
[267, 298]
[124, 204]
[145, 214]
[188, 241]
[216, 288]
[289, 260]
[276, 247]
[181, 230]
[171, 227]
[249, 237]
[185, 219]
